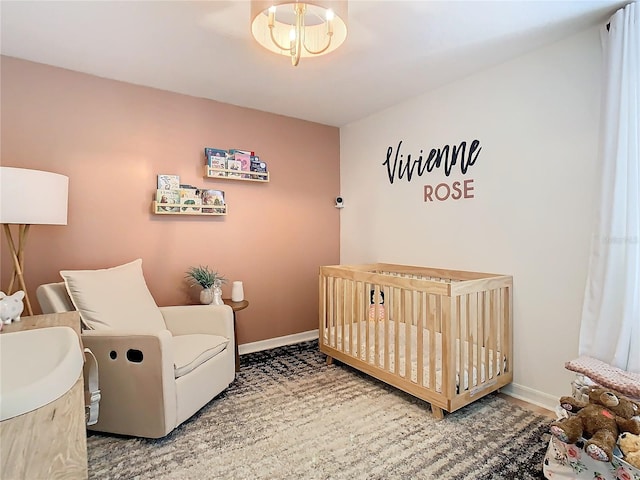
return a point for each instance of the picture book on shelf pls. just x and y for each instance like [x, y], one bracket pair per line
[245, 162]
[169, 182]
[233, 151]
[216, 158]
[235, 165]
[217, 162]
[258, 166]
[168, 196]
[190, 196]
[214, 199]
[216, 152]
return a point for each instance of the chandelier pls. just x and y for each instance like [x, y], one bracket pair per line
[299, 29]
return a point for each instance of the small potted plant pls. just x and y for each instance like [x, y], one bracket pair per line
[210, 281]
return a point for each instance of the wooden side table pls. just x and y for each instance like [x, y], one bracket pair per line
[236, 306]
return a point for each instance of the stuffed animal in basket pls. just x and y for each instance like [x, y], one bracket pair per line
[600, 420]
[630, 446]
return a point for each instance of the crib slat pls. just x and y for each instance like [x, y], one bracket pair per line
[507, 316]
[435, 340]
[367, 345]
[347, 336]
[495, 357]
[501, 325]
[338, 310]
[487, 327]
[348, 313]
[359, 314]
[376, 326]
[470, 342]
[458, 343]
[438, 310]
[480, 337]
[331, 316]
[432, 342]
[491, 347]
[348, 321]
[500, 336]
[487, 334]
[448, 348]
[420, 335]
[498, 352]
[407, 336]
[343, 313]
[463, 344]
[385, 326]
[397, 315]
[495, 298]
[322, 304]
[440, 342]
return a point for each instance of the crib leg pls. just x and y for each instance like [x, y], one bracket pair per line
[438, 413]
[329, 360]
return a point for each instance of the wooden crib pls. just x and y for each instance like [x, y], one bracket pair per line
[444, 336]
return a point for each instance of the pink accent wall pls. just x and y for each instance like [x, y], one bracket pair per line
[112, 138]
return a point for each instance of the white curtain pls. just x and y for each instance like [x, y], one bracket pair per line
[610, 329]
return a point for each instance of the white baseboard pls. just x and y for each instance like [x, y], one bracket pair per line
[530, 395]
[277, 342]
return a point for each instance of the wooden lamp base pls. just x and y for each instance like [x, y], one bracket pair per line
[17, 255]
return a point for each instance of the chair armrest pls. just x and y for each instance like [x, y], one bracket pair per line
[138, 393]
[190, 319]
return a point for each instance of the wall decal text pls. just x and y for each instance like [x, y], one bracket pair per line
[443, 191]
[446, 157]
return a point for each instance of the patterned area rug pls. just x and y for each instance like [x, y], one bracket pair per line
[290, 416]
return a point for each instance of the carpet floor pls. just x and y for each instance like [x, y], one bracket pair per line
[288, 415]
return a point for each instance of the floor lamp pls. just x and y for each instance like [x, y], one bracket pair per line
[29, 197]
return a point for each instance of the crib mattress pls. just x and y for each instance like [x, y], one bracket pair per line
[357, 349]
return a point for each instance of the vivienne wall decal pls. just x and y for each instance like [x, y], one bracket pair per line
[446, 158]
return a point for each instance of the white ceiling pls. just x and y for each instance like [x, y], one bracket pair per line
[394, 49]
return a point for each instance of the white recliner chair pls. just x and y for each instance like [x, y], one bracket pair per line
[157, 365]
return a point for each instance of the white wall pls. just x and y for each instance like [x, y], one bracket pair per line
[536, 118]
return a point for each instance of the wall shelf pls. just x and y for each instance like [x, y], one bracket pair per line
[187, 209]
[241, 175]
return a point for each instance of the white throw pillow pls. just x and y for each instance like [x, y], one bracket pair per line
[114, 298]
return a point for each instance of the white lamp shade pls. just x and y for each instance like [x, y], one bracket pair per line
[33, 197]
